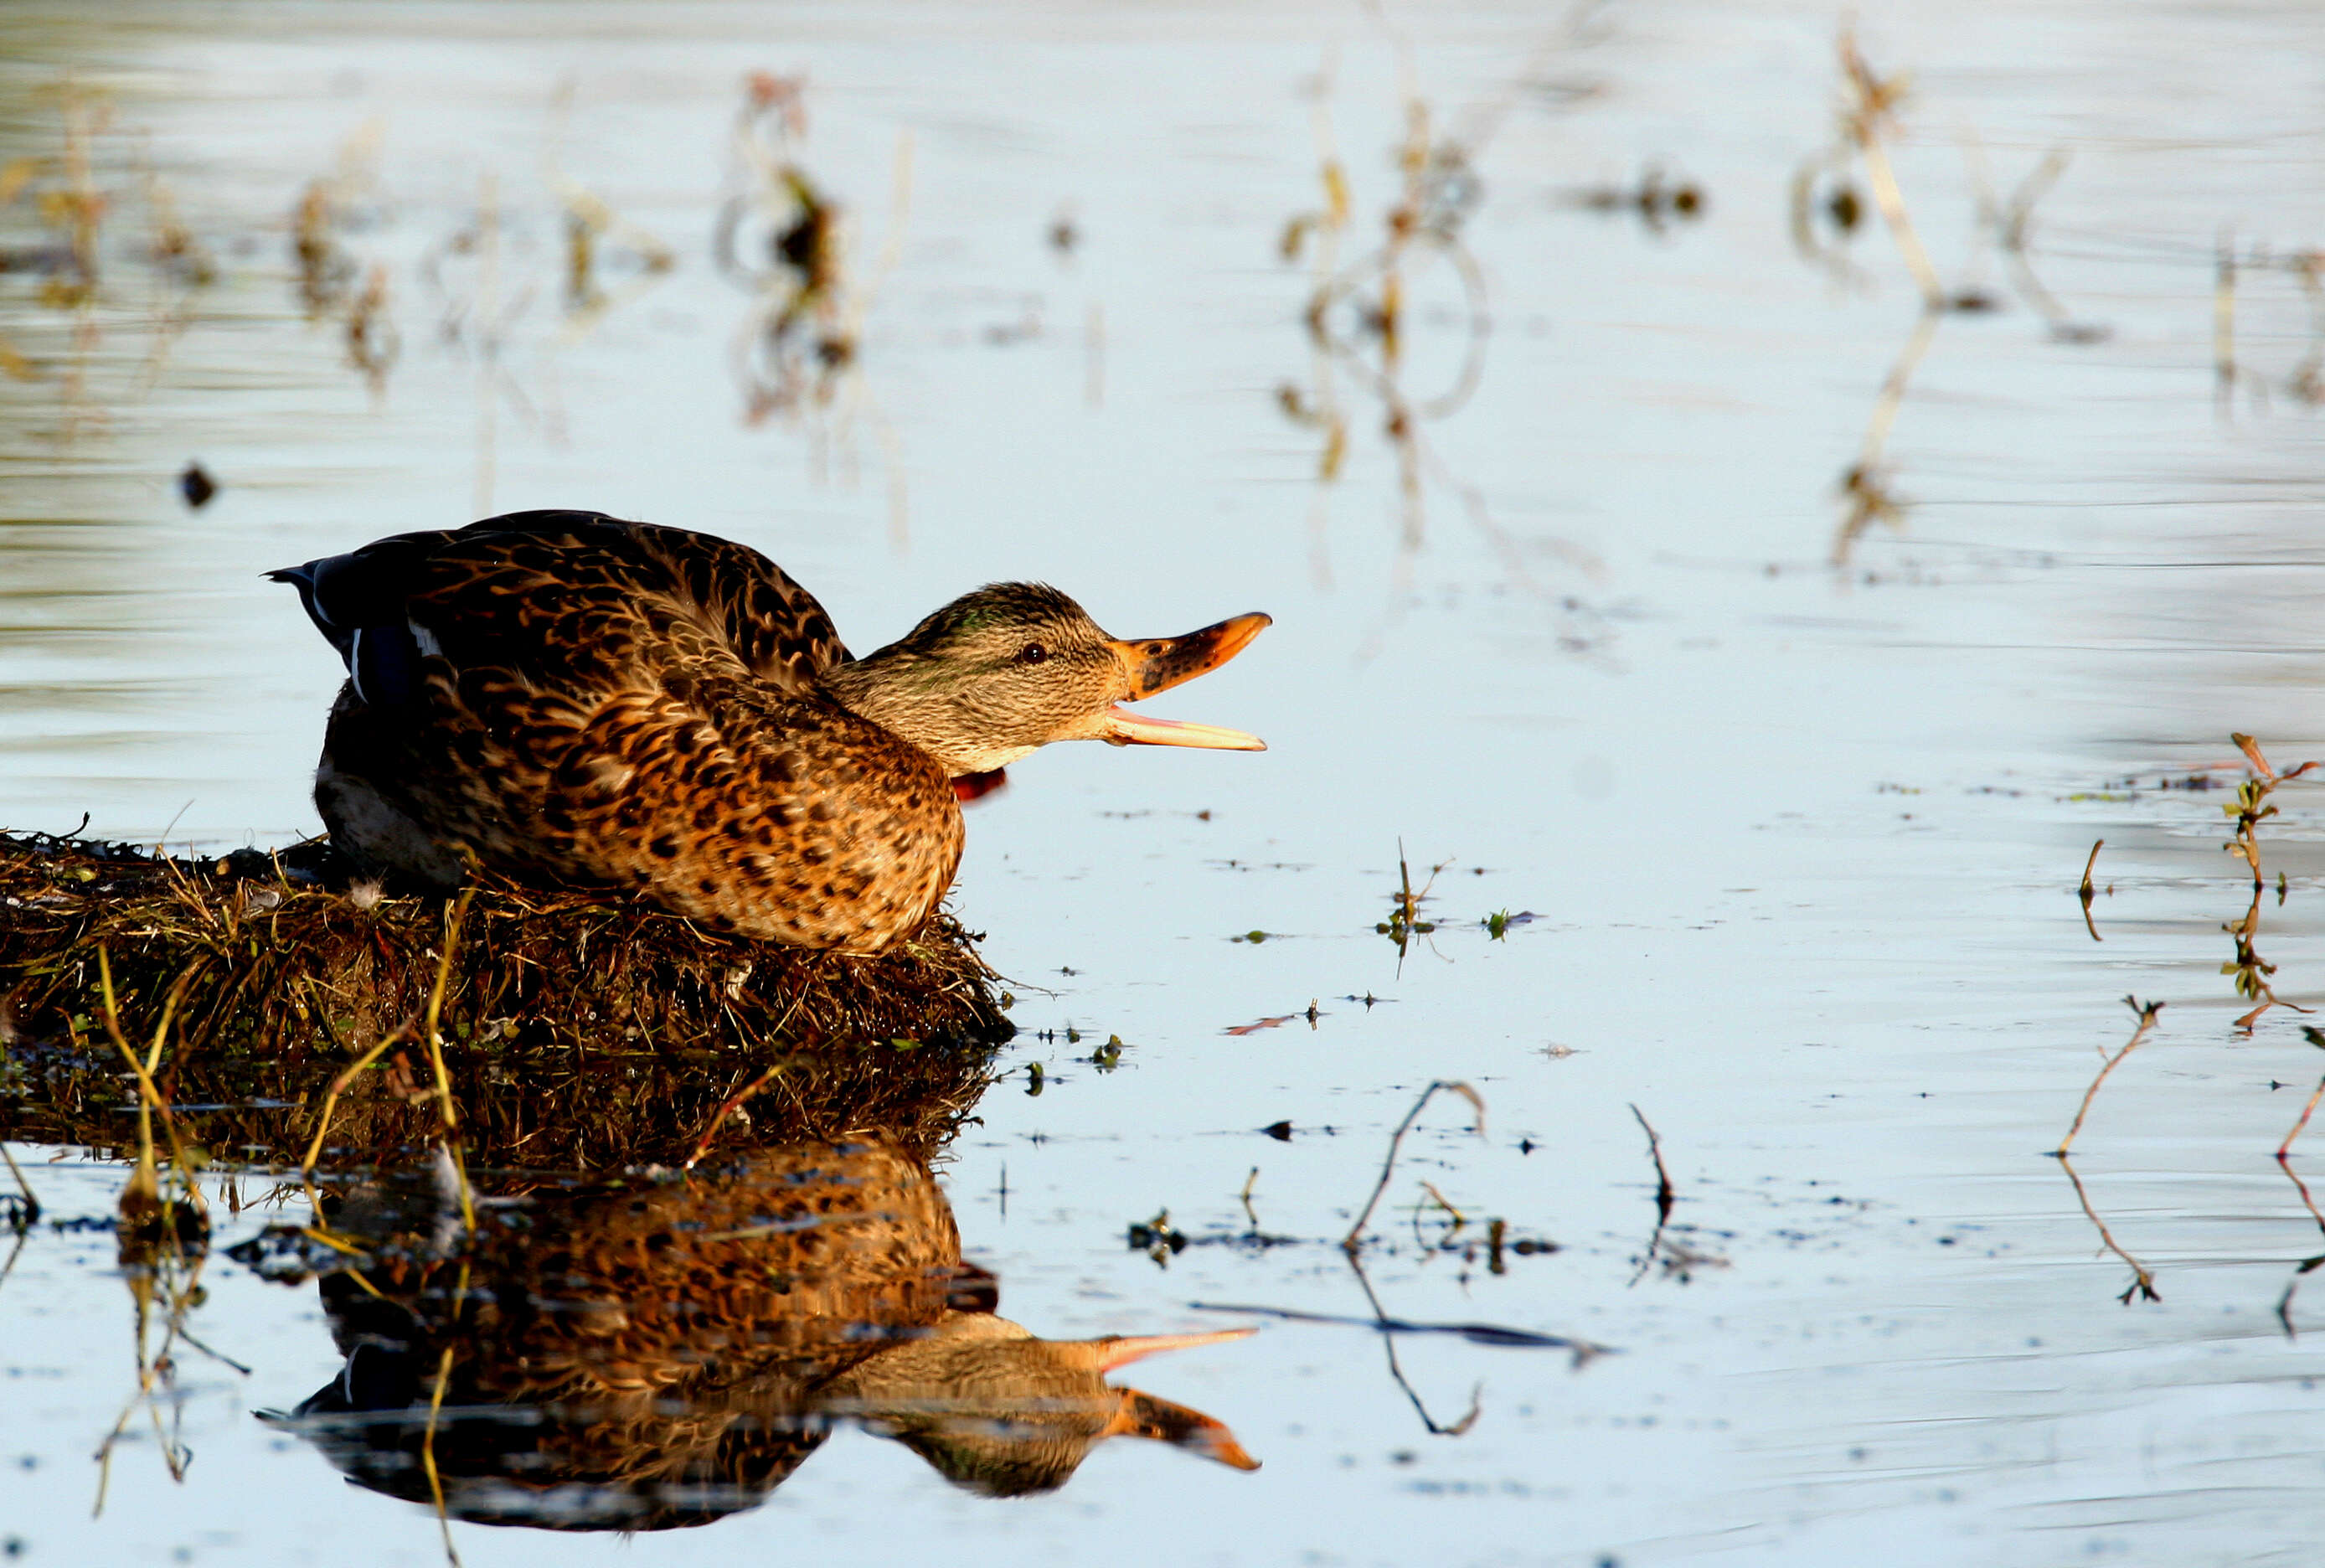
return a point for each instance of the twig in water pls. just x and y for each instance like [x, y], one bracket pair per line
[1404, 919]
[1350, 1242]
[453, 919]
[2146, 1011]
[347, 1076]
[2084, 892]
[1663, 1176]
[728, 1106]
[1442, 1201]
[2316, 1037]
[1676, 1258]
[15, 1253]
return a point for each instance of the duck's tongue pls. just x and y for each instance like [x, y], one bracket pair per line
[1123, 728]
[1158, 664]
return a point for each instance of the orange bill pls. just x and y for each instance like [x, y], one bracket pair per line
[1158, 664]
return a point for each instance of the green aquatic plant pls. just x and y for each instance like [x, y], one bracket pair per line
[2251, 807]
[1405, 922]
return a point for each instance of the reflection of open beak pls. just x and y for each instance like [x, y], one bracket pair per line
[1143, 1415]
[1158, 664]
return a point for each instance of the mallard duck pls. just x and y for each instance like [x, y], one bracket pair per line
[567, 698]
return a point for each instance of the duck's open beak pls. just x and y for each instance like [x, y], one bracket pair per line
[1158, 664]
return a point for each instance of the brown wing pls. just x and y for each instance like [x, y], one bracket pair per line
[564, 599]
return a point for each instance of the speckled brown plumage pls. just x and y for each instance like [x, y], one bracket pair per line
[576, 700]
[635, 1353]
[655, 1351]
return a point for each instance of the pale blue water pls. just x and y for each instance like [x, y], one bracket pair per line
[1802, 840]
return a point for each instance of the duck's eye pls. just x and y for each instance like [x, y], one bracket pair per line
[1031, 654]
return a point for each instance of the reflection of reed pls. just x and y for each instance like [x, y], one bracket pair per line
[163, 1236]
[2307, 1266]
[2251, 972]
[1430, 1423]
[2143, 1279]
[1867, 122]
[1358, 324]
[325, 271]
[2305, 383]
[783, 237]
[70, 220]
[1159, 1236]
[596, 237]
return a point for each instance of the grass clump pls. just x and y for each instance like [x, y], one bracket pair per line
[277, 972]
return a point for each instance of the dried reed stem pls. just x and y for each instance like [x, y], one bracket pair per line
[2146, 1012]
[332, 1099]
[1350, 1242]
[428, 1455]
[1664, 1194]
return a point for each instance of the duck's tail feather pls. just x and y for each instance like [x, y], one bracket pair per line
[376, 639]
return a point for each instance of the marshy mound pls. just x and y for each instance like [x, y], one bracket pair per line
[577, 1031]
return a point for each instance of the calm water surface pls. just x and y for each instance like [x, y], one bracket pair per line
[1565, 606]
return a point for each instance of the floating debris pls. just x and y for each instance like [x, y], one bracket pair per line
[1157, 1238]
[197, 486]
[1657, 203]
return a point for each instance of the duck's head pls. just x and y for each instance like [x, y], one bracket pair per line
[1016, 666]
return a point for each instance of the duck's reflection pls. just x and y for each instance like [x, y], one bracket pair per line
[666, 1350]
